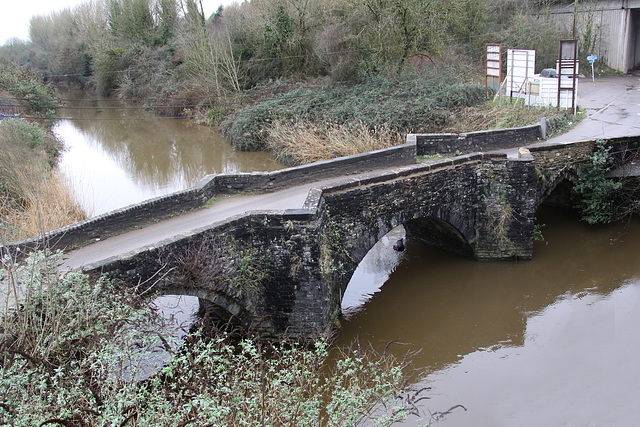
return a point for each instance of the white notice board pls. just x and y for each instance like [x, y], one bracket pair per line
[521, 65]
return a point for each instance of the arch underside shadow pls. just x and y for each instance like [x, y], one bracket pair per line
[222, 306]
[428, 230]
[438, 233]
[560, 195]
[558, 188]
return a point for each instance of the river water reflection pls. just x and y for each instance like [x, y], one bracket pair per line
[553, 341]
[115, 157]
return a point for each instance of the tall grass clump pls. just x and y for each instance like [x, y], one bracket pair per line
[34, 197]
[300, 143]
[81, 351]
[49, 205]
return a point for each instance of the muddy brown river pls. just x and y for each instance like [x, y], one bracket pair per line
[552, 341]
[548, 342]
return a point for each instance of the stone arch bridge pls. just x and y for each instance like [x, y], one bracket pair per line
[287, 270]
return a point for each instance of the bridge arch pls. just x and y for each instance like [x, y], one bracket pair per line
[359, 239]
[428, 229]
[373, 271]
[224, 306]
[556, 189]
[384, 255]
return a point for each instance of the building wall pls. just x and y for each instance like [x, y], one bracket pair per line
[616, 24]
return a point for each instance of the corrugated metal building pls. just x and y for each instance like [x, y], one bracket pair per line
[616, 25]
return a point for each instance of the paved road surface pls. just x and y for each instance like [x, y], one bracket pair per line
[612, 105]
[226, 207]
[613, 109]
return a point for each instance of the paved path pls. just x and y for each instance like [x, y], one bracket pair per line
[612, 105]
[613, 109]
[226, 207]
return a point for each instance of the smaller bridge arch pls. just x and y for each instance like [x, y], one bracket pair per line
[226, 307]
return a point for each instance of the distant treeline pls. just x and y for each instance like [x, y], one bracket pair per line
[139, 49]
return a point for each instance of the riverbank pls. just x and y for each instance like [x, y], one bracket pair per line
[35, 197]
[314, 123]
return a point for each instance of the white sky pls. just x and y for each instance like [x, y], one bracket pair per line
[15, 14]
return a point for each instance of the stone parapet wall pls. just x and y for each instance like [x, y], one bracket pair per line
[450, 143]
[118, 221]
[136, 215]
[271, 181]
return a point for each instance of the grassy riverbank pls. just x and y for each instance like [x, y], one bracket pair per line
[310, 123]
[35, 198]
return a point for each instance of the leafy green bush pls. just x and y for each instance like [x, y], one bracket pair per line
[595, 193]
[33, 96]
[408, 104]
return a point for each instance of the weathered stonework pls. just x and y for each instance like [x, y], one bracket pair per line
[286, 271]
[560, 162]
[450, 143]
[308, 256]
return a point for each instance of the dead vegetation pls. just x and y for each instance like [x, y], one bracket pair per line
[34, 197]
[300, 143]
[489, 116]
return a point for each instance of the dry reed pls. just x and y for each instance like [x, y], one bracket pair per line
[301, 143]
[489, 116]
[50, 205]
[34, 197]
[47, 206]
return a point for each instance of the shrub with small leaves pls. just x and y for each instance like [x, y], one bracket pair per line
[595, 193]
[80, 352]
[411, 103]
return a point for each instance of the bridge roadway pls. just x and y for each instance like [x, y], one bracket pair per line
[224, 208]
[613, 109]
